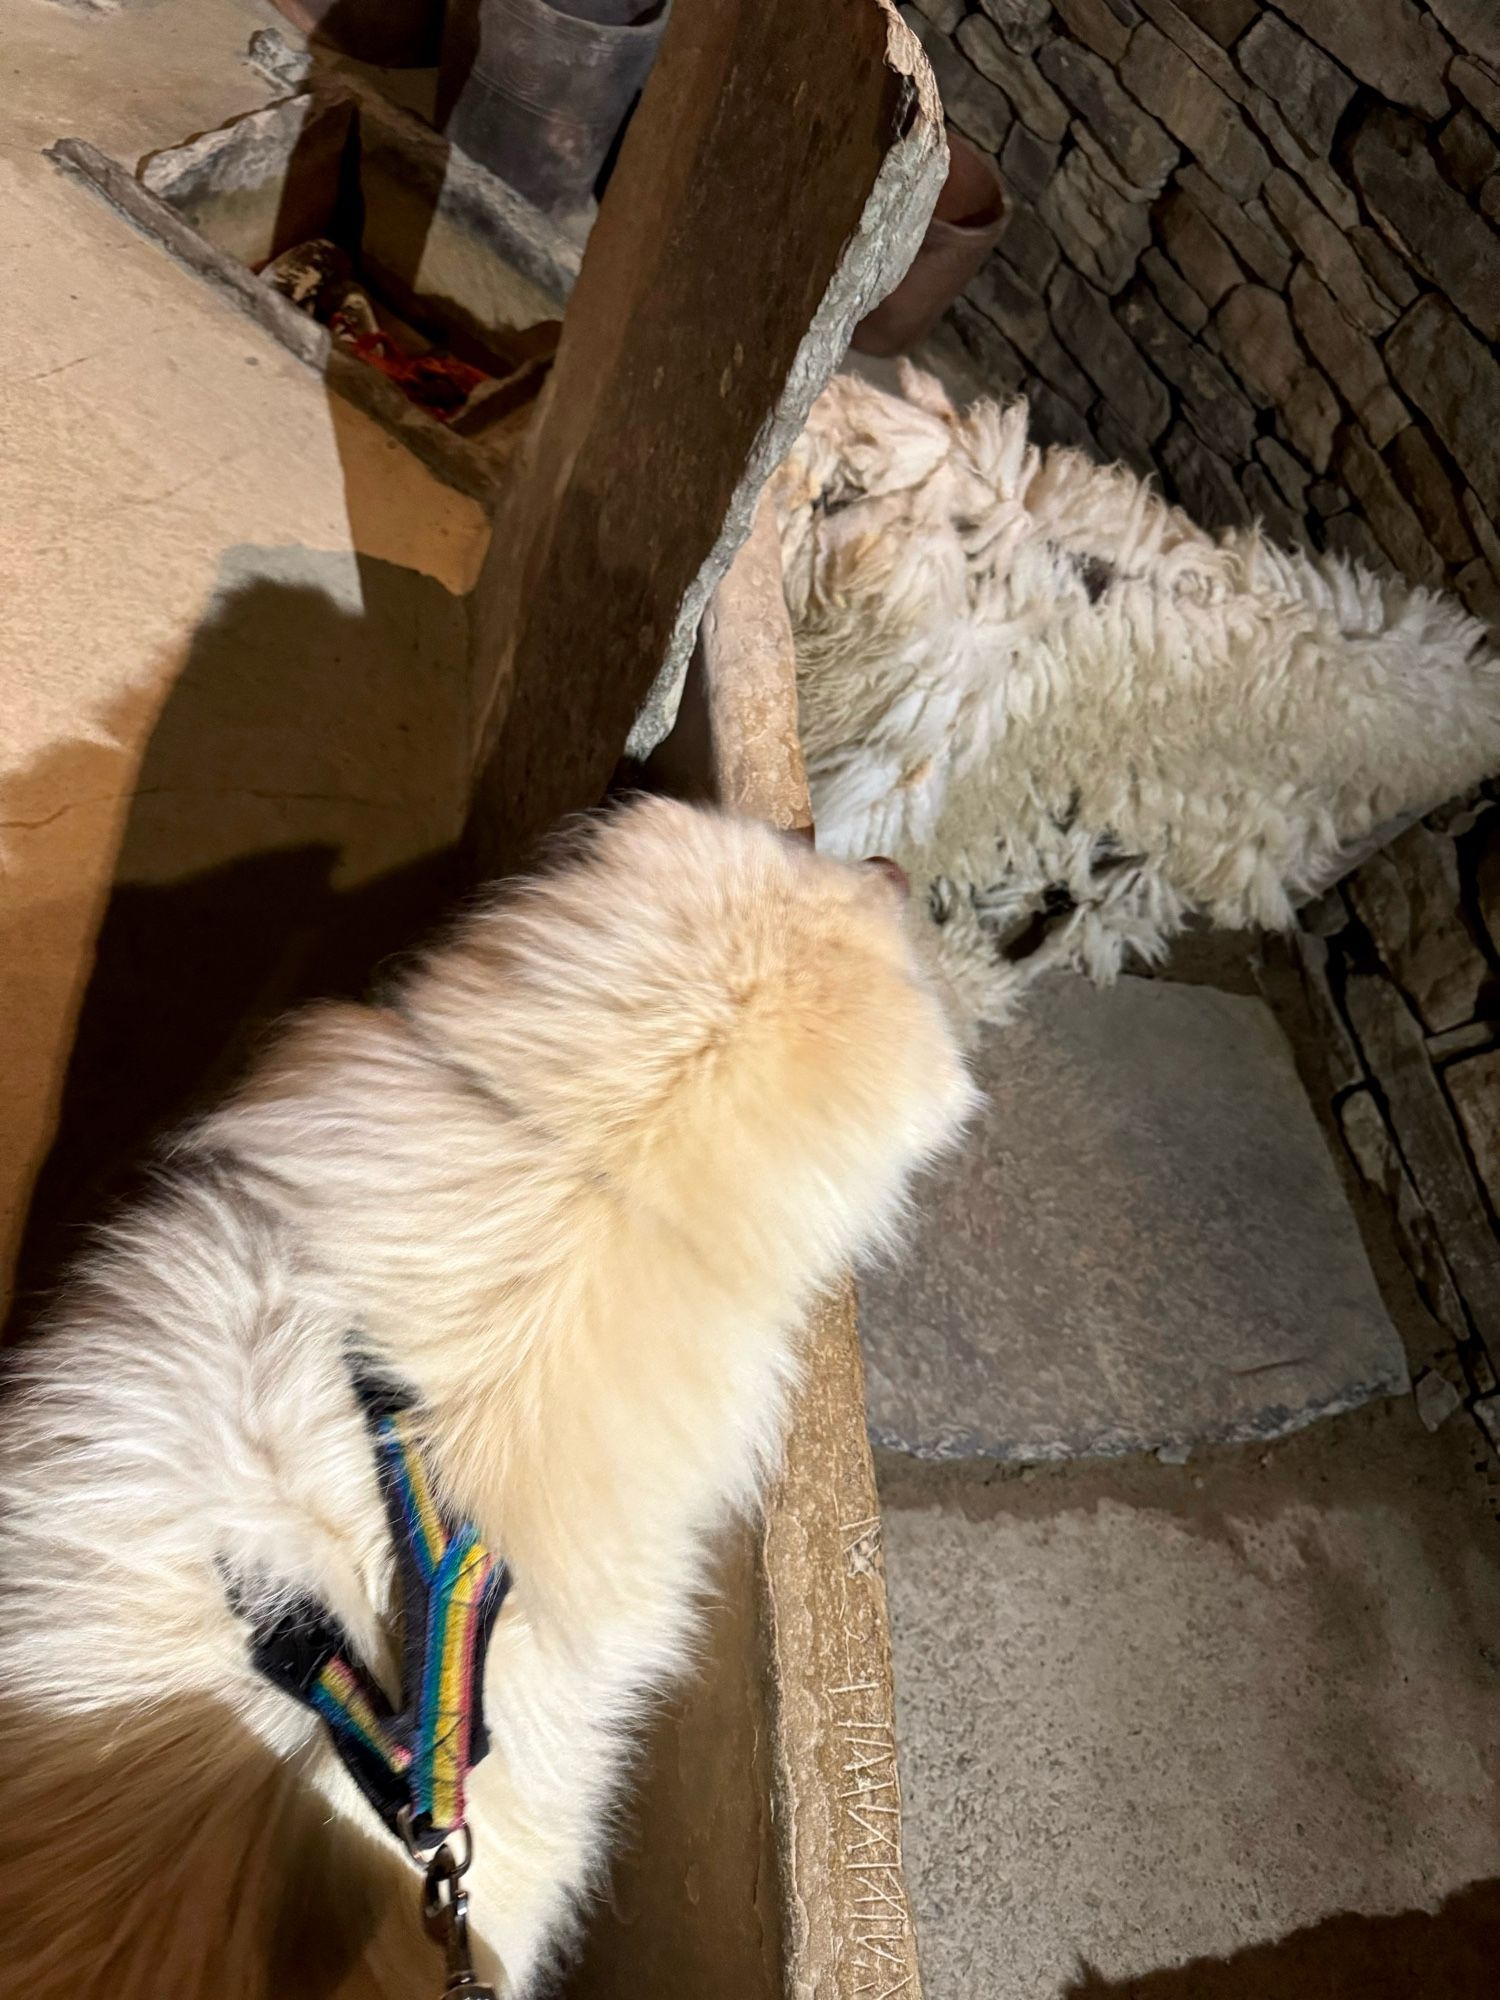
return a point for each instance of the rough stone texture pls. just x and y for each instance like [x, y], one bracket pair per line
[1422, 478]
[1034, 98]
[1327, 249]
[1436, 1399]
[1256, 334]
[1393, 523]
[1281, 522]
[1483, 530]
[1478, 586]
[1290, 474]
[1133, 139]
[1119, 444]
[1195, 110]
[1392, 44]
[1325, 915]
[1258, 248]
[1368, 1141]
[1101, 231]
[971, 101]
[1203, 481]
[1255, 286]
[1174, 292]
[1201, 49]
[1474, 25]
[1027, 165]
[1423, 1124]
[1392, 279]
[1022, 23]
[1028, 245]
[1342, 1060]
[1309, 87]
[1487, 882]
[1056, 420]
[1100, 26]
[1142, 1226]
[1404, 189]
[1347, 357]
[1225, 20]
[1014, 304]
[1350, 535]
[1468, 150]
[1197, 248]
[1474, 1087]
[1217, 1732]
[1455, 381]
[1099, 159]
[996, 367]
[1133, 391]
[1210, 398]
[944, 14]
[1331, 191]
[1479, 86]
[1408, 898]
[1326, 498]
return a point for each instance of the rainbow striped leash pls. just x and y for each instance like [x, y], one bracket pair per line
[411, 1763]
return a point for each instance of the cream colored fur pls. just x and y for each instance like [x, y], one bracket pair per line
[575, 1187]
[1073, 716]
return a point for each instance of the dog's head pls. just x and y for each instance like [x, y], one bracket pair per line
[715, 1019]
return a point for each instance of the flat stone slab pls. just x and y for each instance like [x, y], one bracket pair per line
[1228, 1731]
[1143, 1246]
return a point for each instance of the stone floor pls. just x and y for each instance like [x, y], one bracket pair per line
[1228, 1729]
[190, 526]
[1144, 1245]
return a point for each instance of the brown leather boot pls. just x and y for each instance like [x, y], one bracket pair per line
[969, 216]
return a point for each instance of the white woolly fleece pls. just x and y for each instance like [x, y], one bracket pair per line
[1073, 716]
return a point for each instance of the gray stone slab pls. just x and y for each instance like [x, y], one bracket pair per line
[1143, 1245]
[1221, 1732]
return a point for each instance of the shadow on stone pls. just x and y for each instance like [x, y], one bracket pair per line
[293, 823]
[1450, 1954]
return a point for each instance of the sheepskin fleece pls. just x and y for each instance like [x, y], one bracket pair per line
[1073, 716]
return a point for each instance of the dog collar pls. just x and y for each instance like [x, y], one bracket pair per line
[410, 1762]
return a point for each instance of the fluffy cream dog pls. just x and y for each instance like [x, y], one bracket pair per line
[574, 1188]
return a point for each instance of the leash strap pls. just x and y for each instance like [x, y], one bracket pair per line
[410, 1763]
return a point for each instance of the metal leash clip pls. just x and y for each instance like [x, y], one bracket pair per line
[445, 1910]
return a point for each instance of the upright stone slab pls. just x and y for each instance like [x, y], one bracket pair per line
[772, 188]
[1144, 1244]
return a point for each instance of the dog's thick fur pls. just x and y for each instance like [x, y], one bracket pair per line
[574, 1188]
[1072, 715]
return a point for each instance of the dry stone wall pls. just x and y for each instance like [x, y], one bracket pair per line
[1253, 251]
[1400, 974]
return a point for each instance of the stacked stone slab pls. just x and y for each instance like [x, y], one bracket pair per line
[1253, 251]
[1400, 969]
